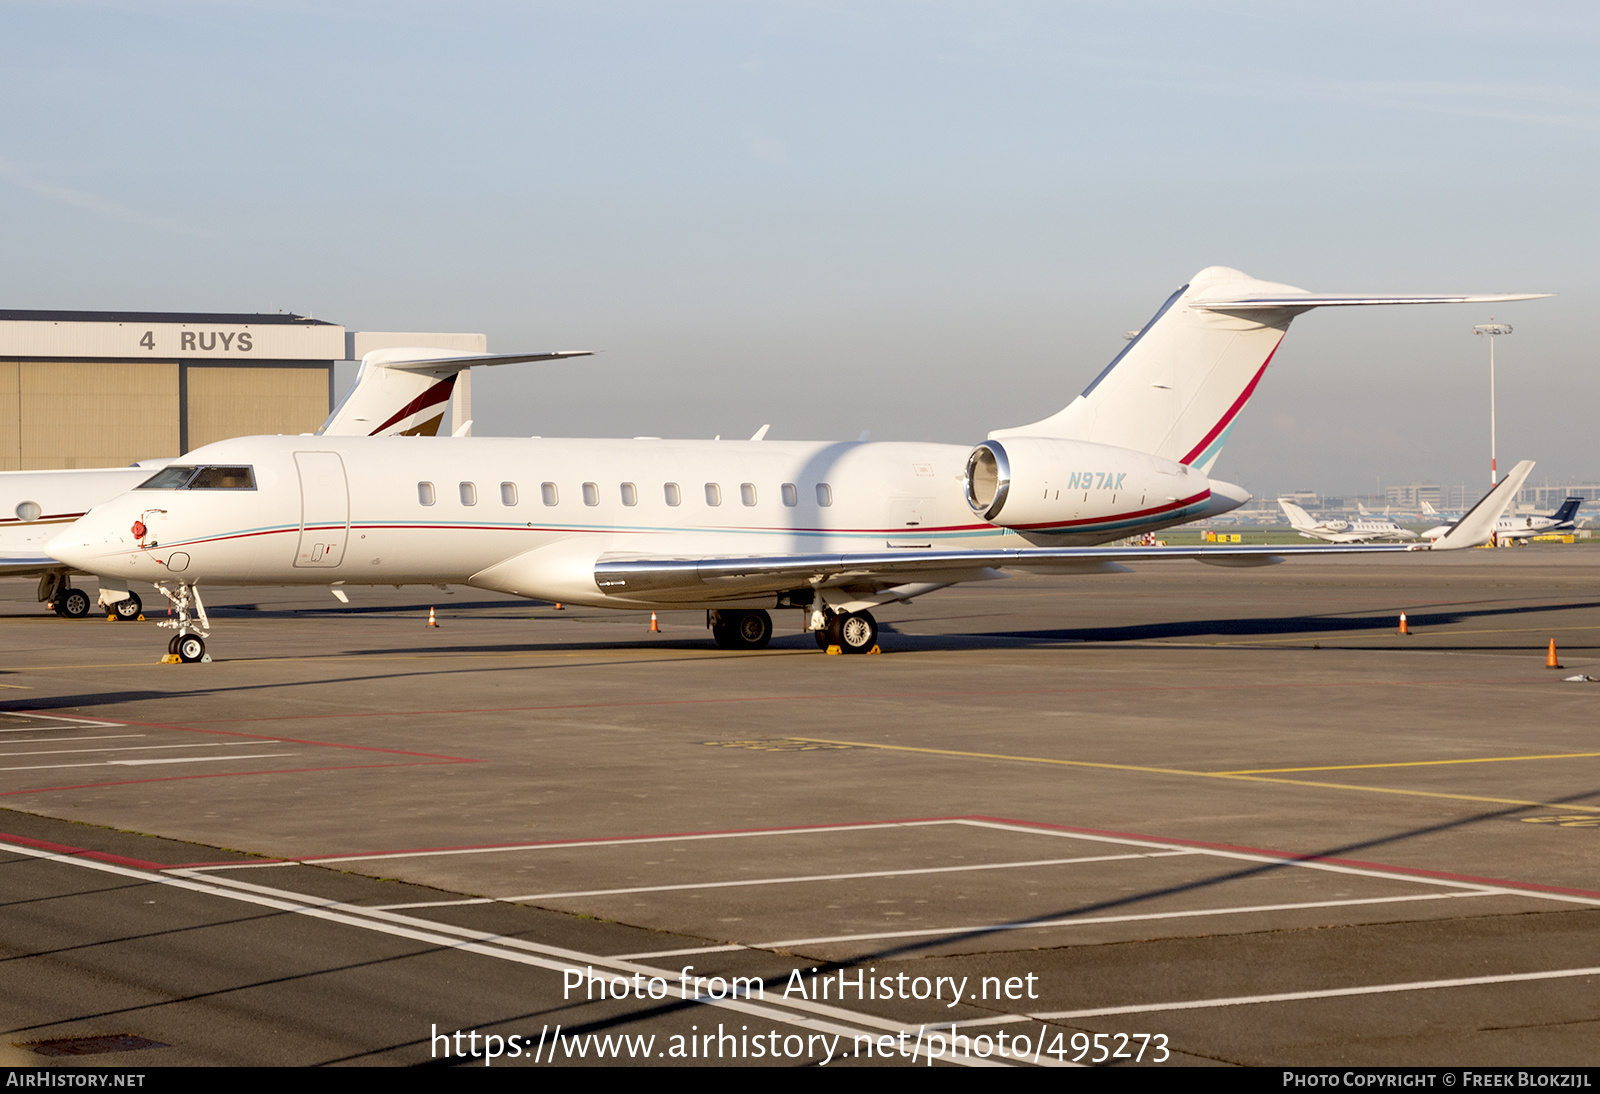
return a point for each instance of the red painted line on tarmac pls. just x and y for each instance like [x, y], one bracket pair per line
[225, 775]
[1292, 856]
[82, 852]
[814, 696]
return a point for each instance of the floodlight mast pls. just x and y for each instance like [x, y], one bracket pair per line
[1492, 330]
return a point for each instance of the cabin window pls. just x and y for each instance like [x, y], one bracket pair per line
[425, 493]
[713, 494]
[747, 493]
[591, 494]
[674, 495]
[469, 493]
[824, 494]
[548, 492]
[791, 496]
[508, 493]
[630, 494]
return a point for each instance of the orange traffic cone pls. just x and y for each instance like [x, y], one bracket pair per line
[432, 620]
[1403, 628]
[653, 628]
[1550, 661]
[558, 606]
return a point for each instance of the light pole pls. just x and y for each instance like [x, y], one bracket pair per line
[1492, 329]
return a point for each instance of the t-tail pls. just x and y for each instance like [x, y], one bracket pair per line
[1567, 513]
[1176, 389]
[405, 392]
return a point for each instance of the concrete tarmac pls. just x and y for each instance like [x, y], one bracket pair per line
[1217, 816]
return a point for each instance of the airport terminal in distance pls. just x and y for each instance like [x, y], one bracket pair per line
[527, 752]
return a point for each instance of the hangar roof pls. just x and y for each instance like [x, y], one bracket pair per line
[232, 318]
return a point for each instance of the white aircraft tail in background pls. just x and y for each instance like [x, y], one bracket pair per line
[1478, 526]
[405, 392]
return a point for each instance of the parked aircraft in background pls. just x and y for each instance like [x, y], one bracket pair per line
[1526, 525]
[1430, 513]
[737, 527]
[397, 392]
[1361, 530]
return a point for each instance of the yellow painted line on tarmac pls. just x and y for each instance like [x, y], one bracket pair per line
[1201, 774]
[1414, 763]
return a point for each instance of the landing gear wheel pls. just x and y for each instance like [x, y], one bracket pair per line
[742, 630]
[128, 608]
[190, 648]
[821, 635]
[858, 632]
[72, 603]
[172, 643]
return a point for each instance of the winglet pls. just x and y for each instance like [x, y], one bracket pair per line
[1477, 526]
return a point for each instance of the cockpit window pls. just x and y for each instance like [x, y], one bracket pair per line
[168, 478]
[223, 478]
[201, 478]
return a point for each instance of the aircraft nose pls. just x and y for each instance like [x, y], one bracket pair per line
[87, 539]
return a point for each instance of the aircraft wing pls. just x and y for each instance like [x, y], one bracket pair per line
[699, 579]
[26, 562]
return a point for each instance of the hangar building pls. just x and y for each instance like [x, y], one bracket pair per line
[104, 389]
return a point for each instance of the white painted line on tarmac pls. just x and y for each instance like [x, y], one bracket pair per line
[676, 953]
[844, 877]
[88, 723]
[1034, 925]
[433, 904]
[1304, 864]
[139, 763]
[820, 1017]
[1291, 996]
[72, 740]
[603, 843]
[125, 748]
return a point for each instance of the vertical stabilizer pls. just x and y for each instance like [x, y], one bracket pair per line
[1175, 390]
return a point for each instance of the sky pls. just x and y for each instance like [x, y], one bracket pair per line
[926, 220]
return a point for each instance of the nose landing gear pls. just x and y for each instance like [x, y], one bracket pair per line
[189, 644]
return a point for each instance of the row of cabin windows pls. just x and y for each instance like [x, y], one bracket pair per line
[630, 493]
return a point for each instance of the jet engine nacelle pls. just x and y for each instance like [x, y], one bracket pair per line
[1043, 484]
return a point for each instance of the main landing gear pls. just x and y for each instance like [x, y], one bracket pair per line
[126, 610]
[740, 630]
[852, 632]
[71, 603]
[189, 644]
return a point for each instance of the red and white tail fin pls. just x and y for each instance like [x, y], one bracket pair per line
[405, 392]
[1177, 387]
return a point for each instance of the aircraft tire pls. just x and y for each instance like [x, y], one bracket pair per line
[858, 632]
[821, 635]
[172, 643]
[737, 630]
[190, 648]
[128, 608]
[72, 603]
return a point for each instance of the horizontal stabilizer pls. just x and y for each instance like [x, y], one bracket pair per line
[1306, 301]
[431, 360]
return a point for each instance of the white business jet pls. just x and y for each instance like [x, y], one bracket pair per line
[1526, 525]
[398, 392]
[734, 527]
[1361, 530]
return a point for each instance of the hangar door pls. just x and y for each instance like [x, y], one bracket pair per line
[241, 402]
[324, 509]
